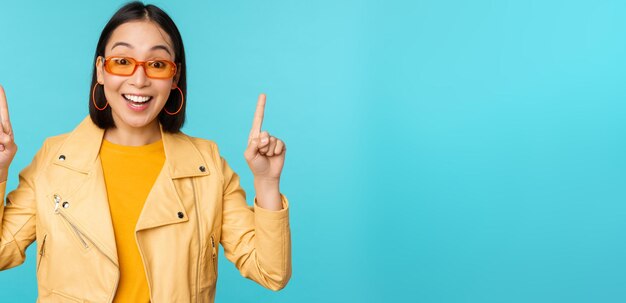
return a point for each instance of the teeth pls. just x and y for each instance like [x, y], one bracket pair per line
[139, 99]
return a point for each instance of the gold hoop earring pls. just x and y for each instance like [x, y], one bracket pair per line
[182, 101]
[93, 98]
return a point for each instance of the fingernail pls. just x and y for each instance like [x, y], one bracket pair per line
[264, 140]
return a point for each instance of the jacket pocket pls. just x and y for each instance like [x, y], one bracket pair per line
[77, 234]
[214, 255]
[80, 238]
[66, 298]
[208, 267]
[42, 251]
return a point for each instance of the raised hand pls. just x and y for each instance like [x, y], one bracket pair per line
[265, 154]
[7, 144]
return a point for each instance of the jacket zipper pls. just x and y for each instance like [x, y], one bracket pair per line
[42, 251]
[57, 211]
[82, 237]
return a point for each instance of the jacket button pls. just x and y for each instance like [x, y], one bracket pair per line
[202, 168]
[180, 214]
[62, 157]
[66, 204]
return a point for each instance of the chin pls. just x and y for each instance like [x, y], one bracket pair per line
[141, 123]
[135, 120]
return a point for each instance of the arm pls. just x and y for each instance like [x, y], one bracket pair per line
[258, 241]
[18, 217]
[17, 228]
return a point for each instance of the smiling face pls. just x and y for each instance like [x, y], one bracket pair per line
[137, 100]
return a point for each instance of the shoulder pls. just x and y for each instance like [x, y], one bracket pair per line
[52, 145]
[201, 143]
[182, 149]
[207, 148]
[48, 152]
[55, 142]
[82, 143]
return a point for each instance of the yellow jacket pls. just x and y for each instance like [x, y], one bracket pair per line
[196, 203]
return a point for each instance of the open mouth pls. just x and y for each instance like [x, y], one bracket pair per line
[137, 101]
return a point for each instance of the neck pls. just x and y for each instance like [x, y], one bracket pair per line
[131, 136]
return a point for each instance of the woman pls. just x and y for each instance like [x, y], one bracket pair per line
[126, 208]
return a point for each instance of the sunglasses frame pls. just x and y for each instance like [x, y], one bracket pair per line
[138, 63]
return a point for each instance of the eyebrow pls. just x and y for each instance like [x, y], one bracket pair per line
[160, 46]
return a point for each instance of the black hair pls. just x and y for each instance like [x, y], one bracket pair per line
[137, 11]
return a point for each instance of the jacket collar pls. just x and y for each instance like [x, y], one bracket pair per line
[81, 149]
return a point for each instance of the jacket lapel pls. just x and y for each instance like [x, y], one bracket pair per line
[164, 204]
[83, 187]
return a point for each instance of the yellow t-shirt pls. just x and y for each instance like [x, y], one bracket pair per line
[129, 174]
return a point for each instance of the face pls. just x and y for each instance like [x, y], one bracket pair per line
[137, 100]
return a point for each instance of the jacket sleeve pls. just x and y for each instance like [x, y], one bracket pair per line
[18, 217]
[256, 240]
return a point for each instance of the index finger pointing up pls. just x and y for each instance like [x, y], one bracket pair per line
[4, 113]
[258, 117]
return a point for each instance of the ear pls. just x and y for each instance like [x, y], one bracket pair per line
[99, 69]
[176, 77]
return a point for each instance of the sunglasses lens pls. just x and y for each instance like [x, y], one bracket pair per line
[124, 66]
[160, 69]
[120, 66]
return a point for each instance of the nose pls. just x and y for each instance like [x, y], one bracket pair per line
[139, 78]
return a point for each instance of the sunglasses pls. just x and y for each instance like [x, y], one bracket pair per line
[126, 66]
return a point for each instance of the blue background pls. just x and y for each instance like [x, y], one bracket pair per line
[438, 151]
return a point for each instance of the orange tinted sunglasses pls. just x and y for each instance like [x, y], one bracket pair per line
[126, 66]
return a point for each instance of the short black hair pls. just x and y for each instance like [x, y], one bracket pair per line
[137, 11]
